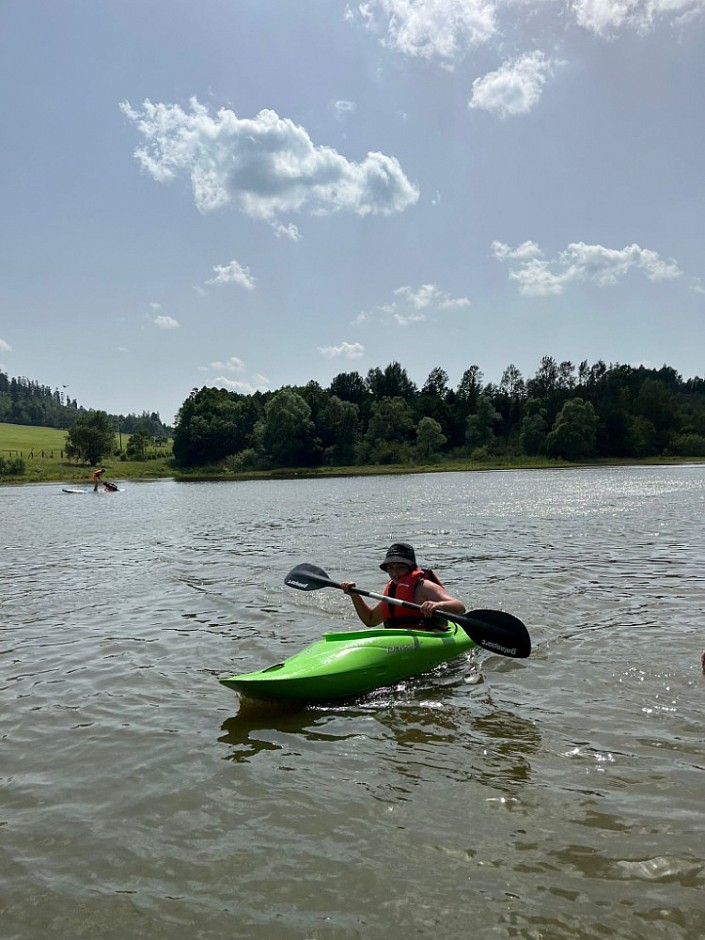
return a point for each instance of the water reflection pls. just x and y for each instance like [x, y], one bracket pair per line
[491, 748]
[416, 739]
[261, 726]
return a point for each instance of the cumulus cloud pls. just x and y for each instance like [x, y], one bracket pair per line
[166, 323]
[232, 364]
[4, 347]
[580, 262]
[264, 166]
[428, 295]
[443, 31]
[289, 231]
[256, 383]
[232, 273]
[413, 304]
[607, 17]
[514, 88]
[344, 108]
[435, 30]
[344, 351]
[523, 252]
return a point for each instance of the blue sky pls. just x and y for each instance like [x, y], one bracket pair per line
[257, 193]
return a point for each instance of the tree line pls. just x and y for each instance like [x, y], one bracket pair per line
[562, 411]
[27, 402]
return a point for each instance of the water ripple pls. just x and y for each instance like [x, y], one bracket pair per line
[552, 798]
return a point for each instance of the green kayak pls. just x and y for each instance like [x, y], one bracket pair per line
[345, 665]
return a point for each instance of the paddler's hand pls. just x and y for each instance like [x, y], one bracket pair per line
[347, 585]
[428, 608]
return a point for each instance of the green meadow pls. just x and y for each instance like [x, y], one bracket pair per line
[42, 450]
[45, 460]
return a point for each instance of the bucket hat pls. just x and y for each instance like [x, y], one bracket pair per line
[399, 553]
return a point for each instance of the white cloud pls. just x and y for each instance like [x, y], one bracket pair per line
[257, 383]
[265, 166]
[580, 262]
[607, 17]
[4, 347]
[232, 273]
[414, 303]
[155, 306]
[344, 108]
[344, 351]
[233, 364]
[444, 30]
[406, 318]
[290, 231]
[166, 323]
[428, 295]
[243, 386]
[514, 88]
[524, 252]
[438, 30]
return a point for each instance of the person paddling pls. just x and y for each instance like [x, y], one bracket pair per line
[410, 583]
[96, 478]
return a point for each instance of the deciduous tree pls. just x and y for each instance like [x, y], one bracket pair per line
[91, 437]
[575, 431]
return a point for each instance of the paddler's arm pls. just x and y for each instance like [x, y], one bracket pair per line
[432, 597]
[370, 616]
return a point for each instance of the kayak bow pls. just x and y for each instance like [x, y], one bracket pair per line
[349, 664]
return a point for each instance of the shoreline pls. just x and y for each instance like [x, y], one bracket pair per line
[136, 473]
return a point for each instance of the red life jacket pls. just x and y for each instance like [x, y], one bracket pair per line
[404, 590]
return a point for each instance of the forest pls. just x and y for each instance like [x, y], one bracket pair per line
[561, 412]
[27, 402]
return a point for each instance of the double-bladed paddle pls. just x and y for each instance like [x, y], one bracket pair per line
[493, 630]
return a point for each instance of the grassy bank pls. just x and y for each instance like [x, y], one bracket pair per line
[45, 460]
[42, 450]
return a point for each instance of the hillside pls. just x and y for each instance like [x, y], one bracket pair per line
[36, 455]
[26, 402]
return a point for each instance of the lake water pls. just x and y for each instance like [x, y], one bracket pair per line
[555, 797]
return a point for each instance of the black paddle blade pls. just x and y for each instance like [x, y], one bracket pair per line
[308, 578]
[497, 631]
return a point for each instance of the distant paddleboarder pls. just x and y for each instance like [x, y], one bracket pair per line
[97, 479]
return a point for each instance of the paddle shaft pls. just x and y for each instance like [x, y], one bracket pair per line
[462, 620]
[493, 630]
[326, 582]
[394, 600]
